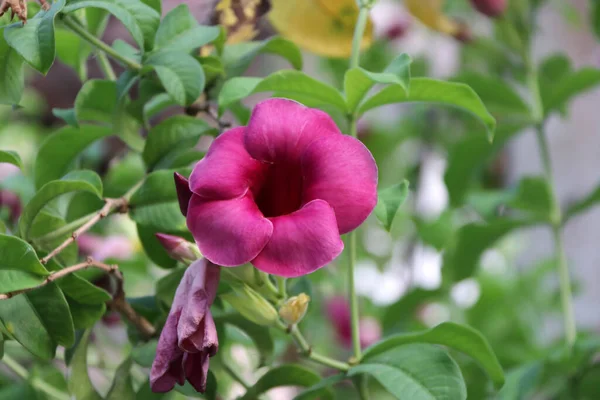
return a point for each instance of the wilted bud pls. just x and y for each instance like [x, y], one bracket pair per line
[491, 8]
[179, 249]
[294, 309]
[251, 305]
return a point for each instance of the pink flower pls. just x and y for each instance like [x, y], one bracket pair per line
[102, 247]
[12, 202]
[491, 8]
[189, 336]
[279, 192]
[338, 311]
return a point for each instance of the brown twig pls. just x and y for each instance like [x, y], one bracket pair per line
[89, 263]
[109, 206]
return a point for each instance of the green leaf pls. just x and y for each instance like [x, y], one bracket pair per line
[96, 101]
[45, 223]
[34, 41]
[358, 81]
[1, 345]
[152, 247]
[260, 335]
[167, 285]
[179, 31]
[535, 196]
[569, 86]
[171, 137]
[122, 386]
[60, 149]
[436, 233]
[415, 372]
[67, 115]
[316, 390]
[458, 337]
[140, 19]
[237, 57]
[595, 16]
[76, 181]
[283, 82]
[497, 95]
[285, 375]
[18, 256]
[434, 91]
[521, 382]
[80, 384]
[582, 205]
[461, 261]
[12, 80]
[145, 353]
[181, 75]
[11, 157]
[389, 201]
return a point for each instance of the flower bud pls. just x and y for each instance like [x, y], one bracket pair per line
[294, 309]
[251, 305]
[491, 8]
[179, 249]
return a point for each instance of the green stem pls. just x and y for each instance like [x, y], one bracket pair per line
[281, 287]
[234, 374]
[105, 66]
[556, 218]
[307, 350]
[99, 44]
[359, 31]
[35, 382]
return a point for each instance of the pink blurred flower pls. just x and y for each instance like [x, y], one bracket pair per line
[12, 202]
[102, 247]
[279, 192]
[491, 8]
[189, 337]
[338, 311]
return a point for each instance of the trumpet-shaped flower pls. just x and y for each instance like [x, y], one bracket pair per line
[279, 192]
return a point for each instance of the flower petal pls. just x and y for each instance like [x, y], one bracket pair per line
[341, 171]
[167, 366]
[228, 232]
[227, 170]
[196, 370]
[281, 129]
[184, 194]
[302, 241]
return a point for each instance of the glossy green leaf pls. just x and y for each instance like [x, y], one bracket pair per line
[317, 390]
[12, 80]
[140, 19]
[457, 337]
[521, 382]
[181, 75]
[76, 181]
[283, 82]
[534, 195]
[570, 86]
[72, 51]
[45, 223]
[34, 41]
[472, 240]
[80, 384]
[415, 372]
[497, 95]
[237, 57]
[96, 101]
[144, 353]
[60, 149]
[18, 255]
[122, 386]
[152, 246]
[171, 137]
[358, 81]
[11, 157]
[428, 90]
[260, 335]
[179, 31]
[590, 200]
[389, 201]
[67, 115]
[285, 375]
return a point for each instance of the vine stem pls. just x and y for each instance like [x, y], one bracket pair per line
[307, 350]
[39, 384]
[556, 218]
[99, 44]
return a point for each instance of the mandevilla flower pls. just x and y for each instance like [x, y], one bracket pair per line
[189, 336]
[279, 192]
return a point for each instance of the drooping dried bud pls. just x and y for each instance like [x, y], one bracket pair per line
[491, 8]
[294, 309]
[251, 305]
[179, 249]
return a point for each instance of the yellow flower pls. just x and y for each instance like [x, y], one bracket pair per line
[324, 27]
[239, 18]
[430, 13]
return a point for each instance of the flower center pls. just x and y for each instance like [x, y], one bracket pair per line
[279, 192]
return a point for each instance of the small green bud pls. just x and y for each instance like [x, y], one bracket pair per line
[251, 304]
[294, 309]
